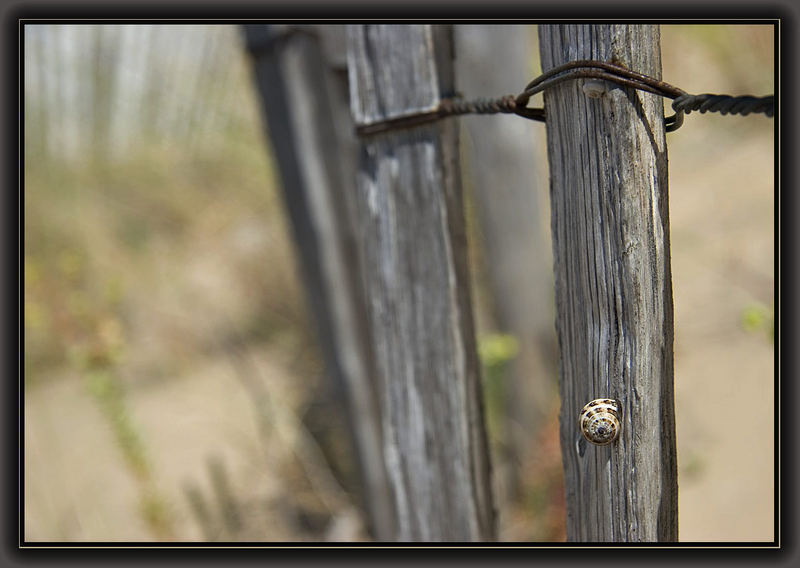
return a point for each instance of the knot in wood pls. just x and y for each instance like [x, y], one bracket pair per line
[594, 88]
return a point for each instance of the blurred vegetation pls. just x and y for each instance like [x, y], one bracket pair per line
[138, 262]
[496, 351]
[760, 318]
[537, 515]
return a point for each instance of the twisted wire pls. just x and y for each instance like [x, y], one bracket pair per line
[506, 105]
[683, 102]
[725, 104]
[454, 107]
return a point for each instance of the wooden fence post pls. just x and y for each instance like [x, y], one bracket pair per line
[610, 225]
[305, 104]
[412, 233]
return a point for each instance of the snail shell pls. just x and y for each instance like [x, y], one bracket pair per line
[599, 421]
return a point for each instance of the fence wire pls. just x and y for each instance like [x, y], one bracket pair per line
[682, 102]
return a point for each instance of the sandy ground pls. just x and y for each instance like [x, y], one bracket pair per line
[722, 261]
[78, 488]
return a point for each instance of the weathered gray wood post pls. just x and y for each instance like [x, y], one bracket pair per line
[412, 233]
[610, 225]
[300, 73]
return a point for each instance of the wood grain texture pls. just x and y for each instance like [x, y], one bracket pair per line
[610, 227]
[408, 80]
[414, 252]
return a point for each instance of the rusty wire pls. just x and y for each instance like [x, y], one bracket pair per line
[725, 104]
[683, 102]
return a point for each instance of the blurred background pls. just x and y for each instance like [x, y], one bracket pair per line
[174, 389]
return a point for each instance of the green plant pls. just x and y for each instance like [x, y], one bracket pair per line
[759, 318]
[496, 352]
[97, 361]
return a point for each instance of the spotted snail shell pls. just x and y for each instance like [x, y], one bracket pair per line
[599, 421]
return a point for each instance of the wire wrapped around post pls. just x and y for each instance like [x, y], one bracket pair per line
[683, 102]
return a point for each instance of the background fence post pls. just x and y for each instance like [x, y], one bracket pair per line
[412, 232]
[301, 78]
[505, 170]
[610, 225]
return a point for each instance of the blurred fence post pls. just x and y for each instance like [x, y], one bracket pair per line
[304, 102]
[502, 153]
[610, 223]
[413, 243]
